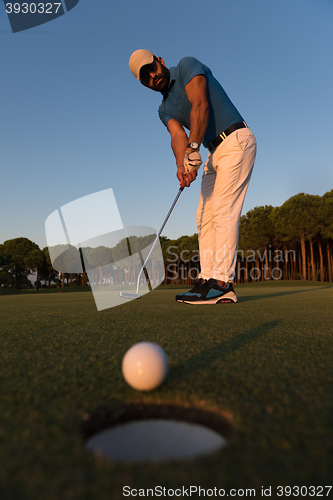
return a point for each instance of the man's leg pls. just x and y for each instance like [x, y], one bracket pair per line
[233, 162]
[206, 232]
[225, 180]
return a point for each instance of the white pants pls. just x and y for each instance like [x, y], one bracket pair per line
[225, 180]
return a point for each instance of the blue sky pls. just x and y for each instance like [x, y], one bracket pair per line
[75, 121]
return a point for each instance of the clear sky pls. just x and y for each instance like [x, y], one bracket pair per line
[74, 120]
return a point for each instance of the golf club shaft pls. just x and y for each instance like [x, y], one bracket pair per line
[181, 189]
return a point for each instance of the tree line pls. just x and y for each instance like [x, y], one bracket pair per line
[104, 264]
[19, 258]
[290, 242]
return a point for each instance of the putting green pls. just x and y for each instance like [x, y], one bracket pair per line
[265, 364]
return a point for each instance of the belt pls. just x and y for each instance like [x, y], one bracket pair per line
[217, 141]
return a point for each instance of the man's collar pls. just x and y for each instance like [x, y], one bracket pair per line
[171, 82]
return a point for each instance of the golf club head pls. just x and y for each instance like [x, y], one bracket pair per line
[127, 295]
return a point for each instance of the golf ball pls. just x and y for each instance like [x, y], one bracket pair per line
[145, 366]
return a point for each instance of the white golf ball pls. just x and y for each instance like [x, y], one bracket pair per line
[145, 366]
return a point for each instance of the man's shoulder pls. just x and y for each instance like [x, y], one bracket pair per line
[189, 67]
[188, 61]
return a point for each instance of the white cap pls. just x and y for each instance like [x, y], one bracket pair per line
[138, 59]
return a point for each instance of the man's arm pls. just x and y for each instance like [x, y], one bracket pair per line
[179, 142]
[196, 92]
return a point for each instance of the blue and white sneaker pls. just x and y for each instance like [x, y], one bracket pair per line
[197, 286]
[209, 292]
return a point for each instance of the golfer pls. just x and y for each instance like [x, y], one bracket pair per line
[194, 100]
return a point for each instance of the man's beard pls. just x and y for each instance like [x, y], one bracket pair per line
[160, 82]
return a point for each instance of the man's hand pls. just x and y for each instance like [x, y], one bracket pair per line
[188, 176]
[192, 160]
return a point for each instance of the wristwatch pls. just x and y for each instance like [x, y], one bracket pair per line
[193, 145]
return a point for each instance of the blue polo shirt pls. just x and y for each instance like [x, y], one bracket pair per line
[175, 104]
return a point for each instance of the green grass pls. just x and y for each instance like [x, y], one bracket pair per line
[265, 363]
[33, 291]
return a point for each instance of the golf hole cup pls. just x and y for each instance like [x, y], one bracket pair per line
[145, 366]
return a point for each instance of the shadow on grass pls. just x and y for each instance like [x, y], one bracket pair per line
[219, 351]
[278, 294]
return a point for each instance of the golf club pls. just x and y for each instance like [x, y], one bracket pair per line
[127, 295]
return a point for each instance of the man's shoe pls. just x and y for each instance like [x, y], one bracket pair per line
[211, 292]
[198, 284]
